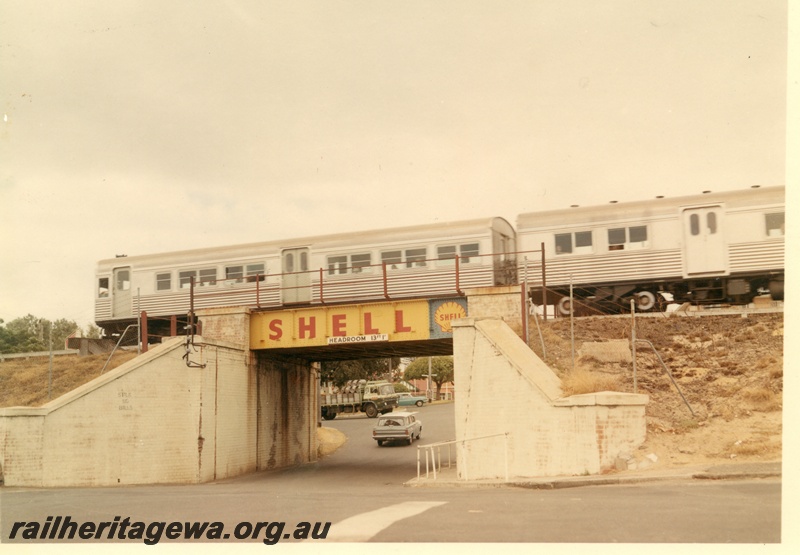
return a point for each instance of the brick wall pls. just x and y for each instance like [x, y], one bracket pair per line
[230, 324]
[505, 388]
[504, 303]
[289, 412]
[155, 420]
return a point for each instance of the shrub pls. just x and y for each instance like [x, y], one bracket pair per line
[761, 399]
[582, 380]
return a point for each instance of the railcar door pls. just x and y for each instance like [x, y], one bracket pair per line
[121, 293]
[296, 279]
[505, 259]
[705, 249]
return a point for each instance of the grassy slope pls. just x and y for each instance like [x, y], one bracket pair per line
[25, 382]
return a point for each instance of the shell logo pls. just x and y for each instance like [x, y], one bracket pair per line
[446, 313]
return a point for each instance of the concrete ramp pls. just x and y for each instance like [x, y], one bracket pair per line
[156, 420]
[504, 388]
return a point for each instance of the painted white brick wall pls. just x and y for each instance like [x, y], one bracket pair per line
[155, 420]
[504, 303]
[505, 388]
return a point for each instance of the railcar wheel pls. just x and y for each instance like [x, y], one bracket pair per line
[565, 306]
[645, 300]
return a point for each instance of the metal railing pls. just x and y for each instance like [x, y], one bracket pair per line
[121, 337]
[383, 281]
[433, 455]
[423, 278]
[666, 369]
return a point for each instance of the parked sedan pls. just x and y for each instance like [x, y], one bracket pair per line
[397, 426]
[408, 399]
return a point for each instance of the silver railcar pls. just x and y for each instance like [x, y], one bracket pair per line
[722, 247]
[408, 262]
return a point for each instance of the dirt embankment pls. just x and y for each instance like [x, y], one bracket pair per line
[30, 382]
[728, 368]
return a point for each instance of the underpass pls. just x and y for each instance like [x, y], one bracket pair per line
[241, 398]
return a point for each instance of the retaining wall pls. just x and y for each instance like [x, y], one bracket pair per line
[505, 388]
[156, 420]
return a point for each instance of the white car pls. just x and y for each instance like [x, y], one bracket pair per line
[397, 426]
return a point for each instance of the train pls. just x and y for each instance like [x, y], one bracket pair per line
[714, 247]
[710, 248]
[399, 263]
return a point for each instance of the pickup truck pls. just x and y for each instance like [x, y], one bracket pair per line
[397, 426]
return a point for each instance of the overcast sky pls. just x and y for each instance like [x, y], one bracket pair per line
[132, 127]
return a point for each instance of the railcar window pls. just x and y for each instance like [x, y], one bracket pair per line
[164, 281]
[205, 276]
[208, 276]
[638, 234]
[256, 272]
[123, 280]
[711, 223]
[776, 224]
[337, 265]
[694, 224]
[392, 259]
[234, 273]
[470, 250]
[355, 263]
[582, 241]
[621, 238]
[616, 237]
[185, 278]
[446, 255]
[563, 243]
[416, 258]
[102, 287]
[360, 262]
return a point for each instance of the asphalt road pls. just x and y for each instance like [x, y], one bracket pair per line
[360, 491]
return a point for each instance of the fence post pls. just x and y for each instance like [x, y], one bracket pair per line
[143, 332]
[544, 285]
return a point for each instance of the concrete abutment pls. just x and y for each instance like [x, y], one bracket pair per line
[157, 420]
[504, 388]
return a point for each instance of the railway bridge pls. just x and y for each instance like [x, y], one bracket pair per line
[244, 397]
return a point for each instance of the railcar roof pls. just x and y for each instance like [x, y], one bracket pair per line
[395, 235]
[650, 208]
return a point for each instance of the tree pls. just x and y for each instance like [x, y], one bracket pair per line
[339, 372]
[30, 334]
[441, 370]
[92, 332]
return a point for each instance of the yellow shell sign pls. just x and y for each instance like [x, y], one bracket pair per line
[359, 323]
[446, 313]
